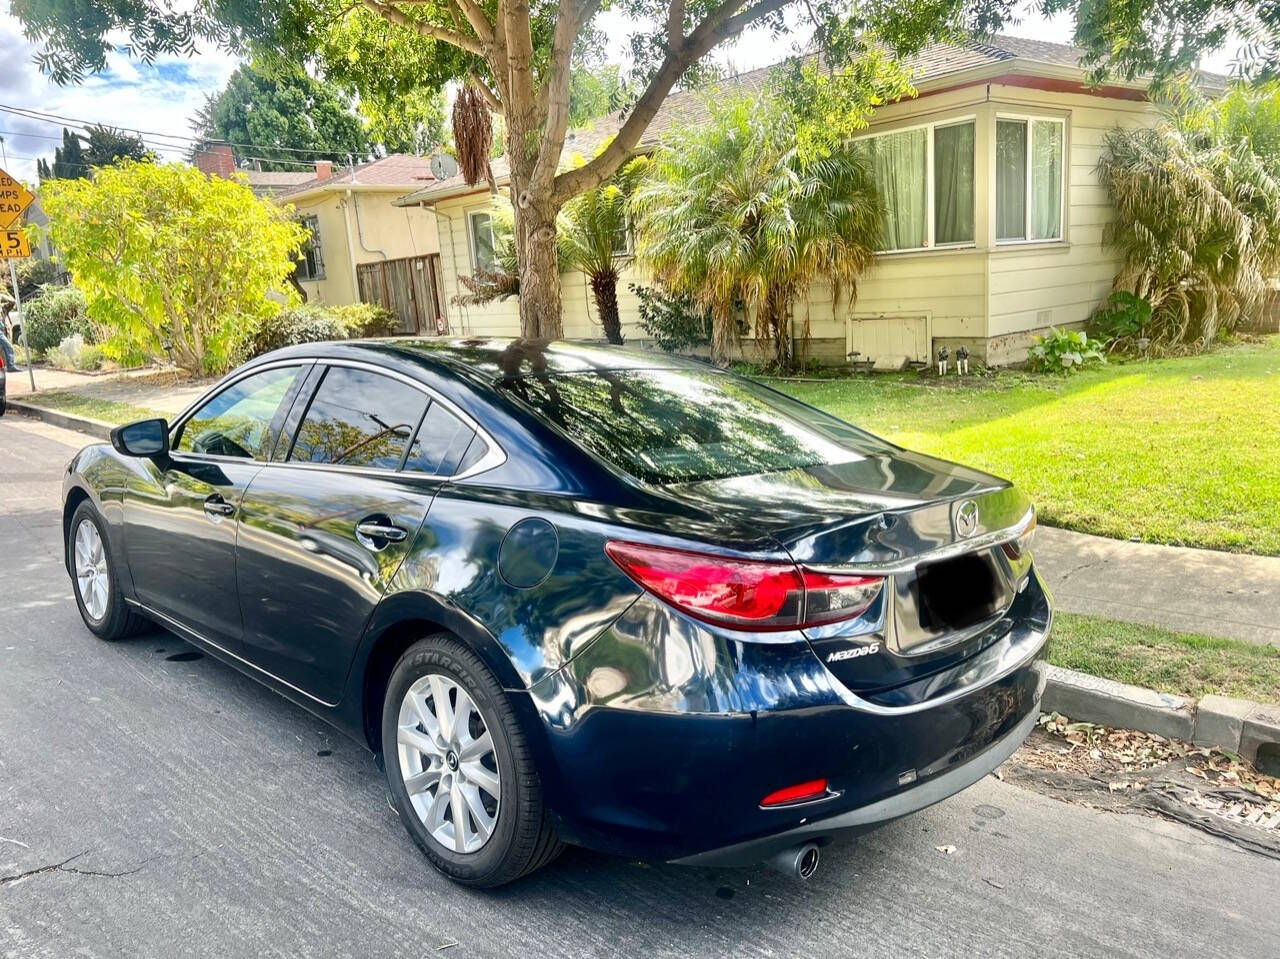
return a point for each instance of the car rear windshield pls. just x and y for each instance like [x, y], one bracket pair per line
[678, 426]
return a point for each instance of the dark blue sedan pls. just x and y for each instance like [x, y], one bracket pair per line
[576, 594]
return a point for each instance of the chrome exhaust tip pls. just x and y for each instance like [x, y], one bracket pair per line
[799, 862]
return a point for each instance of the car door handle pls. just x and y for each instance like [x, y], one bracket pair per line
[376, 533]
[215, 507]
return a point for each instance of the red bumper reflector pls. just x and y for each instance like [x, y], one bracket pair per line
[800, 792]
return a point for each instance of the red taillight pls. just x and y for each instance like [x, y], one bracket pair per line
[1017, 548]
[745, 594]
[800, 792]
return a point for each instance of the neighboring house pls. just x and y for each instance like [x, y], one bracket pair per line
[362, 248]
[994, 230]
[220, 160]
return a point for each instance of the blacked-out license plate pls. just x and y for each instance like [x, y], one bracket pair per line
[957, 593]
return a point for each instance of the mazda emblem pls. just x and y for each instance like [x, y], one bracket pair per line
[966, 519]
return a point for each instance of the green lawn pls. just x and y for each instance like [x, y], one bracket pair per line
[105, 411]
[1183, 451]
[1184, 663]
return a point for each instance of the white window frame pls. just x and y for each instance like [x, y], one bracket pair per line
[1030, 120]
[471, 236]
[629, 247]
[311, 223]
[930, 215]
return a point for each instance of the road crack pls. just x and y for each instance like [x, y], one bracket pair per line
[65, 866]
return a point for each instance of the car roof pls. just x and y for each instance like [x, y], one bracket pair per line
[494, 359]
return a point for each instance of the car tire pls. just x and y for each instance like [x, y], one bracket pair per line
[105, 612]
[521, 838]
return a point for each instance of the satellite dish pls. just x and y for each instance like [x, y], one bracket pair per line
[443, 166]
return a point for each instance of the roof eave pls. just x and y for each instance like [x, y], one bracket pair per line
[338, 186]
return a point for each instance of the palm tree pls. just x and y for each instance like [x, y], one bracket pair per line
[594, 237]
[734, 216]
[1197, 202]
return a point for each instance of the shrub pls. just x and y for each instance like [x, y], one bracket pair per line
[1197, 203]
[1064, 351]
[73, 353]
[1121, 317]
[674, 322]
[173, 263]
[54, 315]
[314, 324]
[32, 275]
[365, 319]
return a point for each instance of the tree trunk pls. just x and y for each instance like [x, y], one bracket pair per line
[723, 336]
[604, 287]
[535, 229]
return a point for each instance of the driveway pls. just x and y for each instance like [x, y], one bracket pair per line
[157, 803]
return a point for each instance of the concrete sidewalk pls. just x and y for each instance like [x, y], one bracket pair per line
[1193, 590]
[154, 388]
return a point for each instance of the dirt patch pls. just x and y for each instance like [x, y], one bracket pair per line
[1123, 770]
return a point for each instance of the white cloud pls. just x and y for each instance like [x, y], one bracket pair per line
[157, 98]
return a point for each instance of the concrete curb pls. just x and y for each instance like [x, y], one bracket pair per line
[67, 421]
[1249, 729]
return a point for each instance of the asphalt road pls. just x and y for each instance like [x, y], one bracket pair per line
[198, 814]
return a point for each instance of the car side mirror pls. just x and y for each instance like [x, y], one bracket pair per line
[144, 438]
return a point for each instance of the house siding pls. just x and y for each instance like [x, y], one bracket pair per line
[389, 233]
[1036, 287]
[993, 298]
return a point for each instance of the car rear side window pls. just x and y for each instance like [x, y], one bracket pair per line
[439, 443]
[676, 426]
[237, 422]
[359, 418]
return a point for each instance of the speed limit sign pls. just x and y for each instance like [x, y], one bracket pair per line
[14, 245]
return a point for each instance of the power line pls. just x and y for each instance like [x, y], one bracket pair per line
[57, 119]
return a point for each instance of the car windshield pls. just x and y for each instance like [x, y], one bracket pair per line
[677, 426]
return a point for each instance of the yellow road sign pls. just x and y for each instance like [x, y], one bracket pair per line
[14, 198]
[14, 245]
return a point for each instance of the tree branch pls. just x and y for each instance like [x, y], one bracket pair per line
[675, 25]
[480, 23]
[397, 18]
[485, 92]
[555, 90]
[719, 25]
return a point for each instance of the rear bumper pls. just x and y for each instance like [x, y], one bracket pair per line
[874, 814]
[664, 735]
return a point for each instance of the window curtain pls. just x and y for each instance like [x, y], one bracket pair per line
[953, 183]
[898, 160]
[1011, 179]
[1046, 180]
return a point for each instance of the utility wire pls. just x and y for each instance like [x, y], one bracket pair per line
[188, 141]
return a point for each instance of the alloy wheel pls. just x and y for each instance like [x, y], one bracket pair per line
[93, 580]
[448, 763]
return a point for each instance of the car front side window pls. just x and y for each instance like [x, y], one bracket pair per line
[359, 418]
[237, 422]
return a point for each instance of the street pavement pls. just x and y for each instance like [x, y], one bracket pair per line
[195, 813]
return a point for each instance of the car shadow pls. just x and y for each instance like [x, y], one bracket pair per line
[629, 888]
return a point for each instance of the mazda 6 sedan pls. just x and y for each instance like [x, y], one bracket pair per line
[576, 594]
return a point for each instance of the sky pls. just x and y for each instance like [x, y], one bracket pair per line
[161, 98]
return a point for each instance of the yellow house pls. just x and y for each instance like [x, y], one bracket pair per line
[365, 249]
[995, 211]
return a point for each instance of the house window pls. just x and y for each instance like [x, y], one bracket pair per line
[925, 178]
[483, 256]
[1029, 163]
[622, 241]
[311, 266]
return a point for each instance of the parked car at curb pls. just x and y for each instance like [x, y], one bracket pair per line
[577, 594]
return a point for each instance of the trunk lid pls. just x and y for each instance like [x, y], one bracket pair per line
[931, 528]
